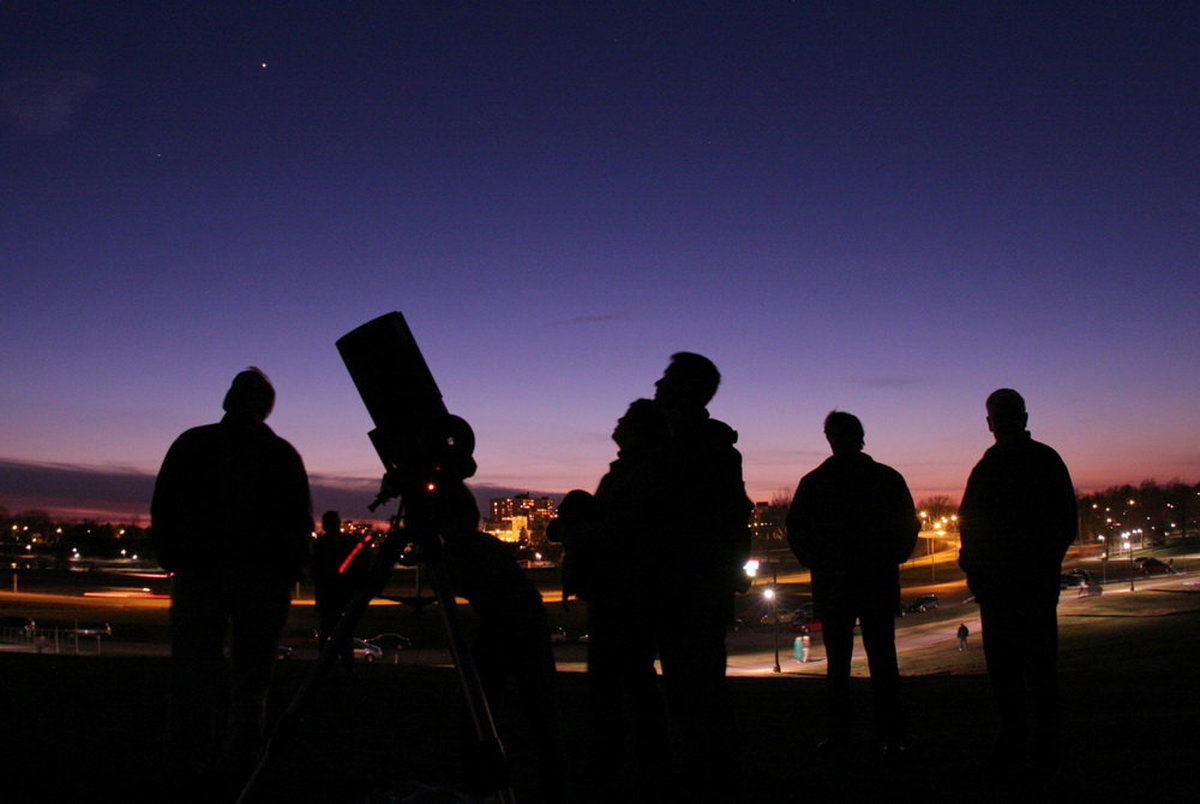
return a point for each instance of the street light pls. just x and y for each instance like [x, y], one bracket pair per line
[769, 595]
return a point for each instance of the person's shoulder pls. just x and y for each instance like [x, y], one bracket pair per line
[280, 443]
[887, 473]
[197, 435]
[717, 430]
[821, 470]
[1042, 449]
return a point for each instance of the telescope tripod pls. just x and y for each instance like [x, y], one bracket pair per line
[425, 520]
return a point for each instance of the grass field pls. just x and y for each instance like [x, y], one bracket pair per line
[84, 728]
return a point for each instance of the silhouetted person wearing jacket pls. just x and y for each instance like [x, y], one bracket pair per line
[1017, 519]
[702, 545]
[852, 522]
[232, 521]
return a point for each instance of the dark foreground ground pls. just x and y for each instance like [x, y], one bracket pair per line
[88, 729]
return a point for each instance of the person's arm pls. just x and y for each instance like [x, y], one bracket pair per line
[166, 508]
[798, 522]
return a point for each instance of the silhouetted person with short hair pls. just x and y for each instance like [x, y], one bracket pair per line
[852, 522]
[1017, 519]
[702, 546]
[337, 573]
[232, 521]
[961, 634]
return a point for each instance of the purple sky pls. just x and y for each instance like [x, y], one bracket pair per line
[879, 208]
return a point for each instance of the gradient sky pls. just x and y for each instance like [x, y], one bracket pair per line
[891, 209]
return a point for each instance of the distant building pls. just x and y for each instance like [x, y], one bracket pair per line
[767, 522]
[521, 518]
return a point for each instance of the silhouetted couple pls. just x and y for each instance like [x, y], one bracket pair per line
[658, 555]
[852, 522]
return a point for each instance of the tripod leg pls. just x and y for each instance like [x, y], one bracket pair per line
[389, 551]
[494, 773]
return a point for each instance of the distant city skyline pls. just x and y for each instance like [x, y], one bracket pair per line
[889, 209]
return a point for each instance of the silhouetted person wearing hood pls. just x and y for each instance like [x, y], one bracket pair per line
[852, 522]
[597, 533]
[232, 521]
[1017, 519]
[702, 545]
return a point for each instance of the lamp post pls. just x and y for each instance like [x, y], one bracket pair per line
[769, 594]
[1104, 561]
[1129, 546]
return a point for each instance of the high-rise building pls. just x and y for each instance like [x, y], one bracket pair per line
[521, 518]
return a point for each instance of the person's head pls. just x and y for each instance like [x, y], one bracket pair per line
[844, 432]
[250, 396]
[642, 426]
[1006, 415]
[577, 504]
[331, 522]
[690, 380]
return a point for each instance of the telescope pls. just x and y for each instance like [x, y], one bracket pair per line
[427, 453]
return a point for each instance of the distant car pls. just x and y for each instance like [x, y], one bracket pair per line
[920, 605]
[1076, 577]
[1149, 565]
[24, 625]
[785, 616]
[807, 627]
[390, 641]
[284, 652]
[365, 651]
[93, 629]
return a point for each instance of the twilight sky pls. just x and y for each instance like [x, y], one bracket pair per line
[891, 209]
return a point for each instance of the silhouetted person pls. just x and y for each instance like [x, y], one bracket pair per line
[961, 634]
[232, 521]
[337, 572]
[702, 545]
[1017, 519]
[598, 533]
[576, 527]
[512, 642]
[852, 522]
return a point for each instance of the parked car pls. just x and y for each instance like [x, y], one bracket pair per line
[390, 641]
[93, 629]
[1075, 577]
[365, 651]
[920, 605]
[1149, 565]
[807, 627]
[24, 625]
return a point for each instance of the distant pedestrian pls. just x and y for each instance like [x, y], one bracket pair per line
[963, 633]
[232, 522]
[1018, 517]
[852, 522]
